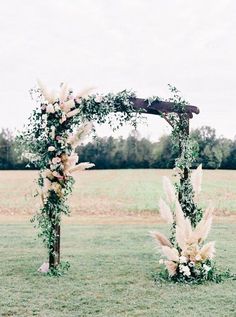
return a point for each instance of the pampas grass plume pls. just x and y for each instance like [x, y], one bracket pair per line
[165, 211]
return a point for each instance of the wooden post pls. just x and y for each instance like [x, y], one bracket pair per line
[54, 253]
[186, 173]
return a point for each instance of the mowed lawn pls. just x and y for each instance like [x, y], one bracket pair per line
[108, 245]
[110, 275]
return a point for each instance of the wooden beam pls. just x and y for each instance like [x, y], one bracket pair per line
[158, 107]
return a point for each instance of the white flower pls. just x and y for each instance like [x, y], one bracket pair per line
[182, 259]
[206, 268]
[53, 167]
[191, 264]
[52, 134]
[50, 109]
[51, 148]
[44, 116]
[30, 156]
[185, 270]
[57, 107]
[161, 261]
[98, 98]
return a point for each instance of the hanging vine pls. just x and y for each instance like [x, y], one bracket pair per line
[187, 257]
[188, 150]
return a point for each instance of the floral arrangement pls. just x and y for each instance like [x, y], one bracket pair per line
[55, 154]
[57, 126]
[186, 257]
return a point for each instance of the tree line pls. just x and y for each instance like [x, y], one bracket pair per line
[135, 152]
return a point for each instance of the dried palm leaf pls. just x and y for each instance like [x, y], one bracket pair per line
[172, 254]
[64, 91]
[46, 94]
[83, 131]
[68, 105]
[73, 113]
[165, 211]
[208, 251]
[161, 239]
[169, 190]
[204, 226]
[171, 267]
[82, 167]
[196, 180]
[180, 237]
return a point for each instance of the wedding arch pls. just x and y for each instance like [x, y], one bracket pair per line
[60, 123]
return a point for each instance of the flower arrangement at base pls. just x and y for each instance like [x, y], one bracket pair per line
[187, 257]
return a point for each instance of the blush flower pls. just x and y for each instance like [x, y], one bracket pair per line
[50, 109]
[198, 257]
[56, 160]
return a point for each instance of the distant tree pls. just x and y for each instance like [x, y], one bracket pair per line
[230, 160]
[135, 152]
[164, 154]
[210, 150]
[7, 150]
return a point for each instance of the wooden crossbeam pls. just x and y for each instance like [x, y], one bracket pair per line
[159, 107]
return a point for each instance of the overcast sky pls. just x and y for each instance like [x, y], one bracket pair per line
[117, 44]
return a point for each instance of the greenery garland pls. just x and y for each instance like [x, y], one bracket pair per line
[58, 125]
[187, 148]
[188, 258]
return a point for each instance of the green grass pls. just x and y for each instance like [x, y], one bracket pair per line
[110, 275]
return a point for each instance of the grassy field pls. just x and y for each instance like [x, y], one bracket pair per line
[111, 254]
[114, 192]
